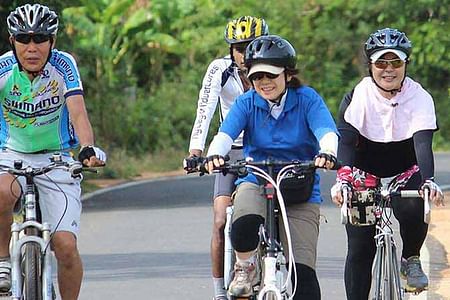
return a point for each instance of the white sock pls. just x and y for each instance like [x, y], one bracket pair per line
[251, 259]
[219, 289]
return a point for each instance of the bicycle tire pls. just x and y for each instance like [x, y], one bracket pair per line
[32, 286]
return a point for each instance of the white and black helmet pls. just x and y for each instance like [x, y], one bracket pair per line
[32, 19]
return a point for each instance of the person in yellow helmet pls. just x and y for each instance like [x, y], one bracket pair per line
[224, 80]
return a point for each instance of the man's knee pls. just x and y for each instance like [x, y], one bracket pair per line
[220, 212]
[9, 193]
[65, 247]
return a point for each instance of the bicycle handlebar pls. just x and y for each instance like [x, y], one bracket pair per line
[75, 168]
[240, 166]
[387, 194]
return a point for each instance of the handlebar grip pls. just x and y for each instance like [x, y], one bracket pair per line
[76, 168]
[409, 194]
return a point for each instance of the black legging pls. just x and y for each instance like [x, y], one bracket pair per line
[308, 287]
[361, 243]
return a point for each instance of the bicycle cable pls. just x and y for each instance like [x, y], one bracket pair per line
[63, 213]
[291, 265]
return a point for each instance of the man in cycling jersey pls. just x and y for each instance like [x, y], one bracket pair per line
[224, 80]
[43, 111]
[386, 124]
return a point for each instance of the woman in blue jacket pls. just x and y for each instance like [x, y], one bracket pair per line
[281, 120]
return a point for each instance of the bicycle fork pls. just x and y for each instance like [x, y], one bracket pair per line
[387, 285]
[271, 282]
[17, 244]
[228, 250]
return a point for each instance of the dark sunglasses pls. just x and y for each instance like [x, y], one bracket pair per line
[261, 75]
[240, 47]
[27, 38]
[383, 63]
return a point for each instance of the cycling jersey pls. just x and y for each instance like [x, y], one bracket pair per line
[222, 85]
[34, 115]
[294, 135]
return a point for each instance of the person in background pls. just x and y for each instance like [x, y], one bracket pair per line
[386, 125]
[43, 111]
[224, 81]
[281, 120]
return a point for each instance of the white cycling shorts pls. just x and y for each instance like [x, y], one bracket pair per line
[59, 193]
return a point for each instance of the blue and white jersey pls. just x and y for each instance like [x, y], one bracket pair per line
[34, 115]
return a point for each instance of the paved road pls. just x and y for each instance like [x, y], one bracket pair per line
[150, 241]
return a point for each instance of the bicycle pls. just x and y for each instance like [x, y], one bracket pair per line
[31, 269]
[372, 207]
[275, 273]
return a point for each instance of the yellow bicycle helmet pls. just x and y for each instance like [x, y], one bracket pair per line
[245, 29]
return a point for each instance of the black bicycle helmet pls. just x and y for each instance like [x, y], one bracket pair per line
[385, 39]
[32, 19]
[271, 50]
[245, 29]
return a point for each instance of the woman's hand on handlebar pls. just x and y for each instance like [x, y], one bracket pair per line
[344, 180]
[337, 191]
[435, 193]
[325, 160]
[213, 162]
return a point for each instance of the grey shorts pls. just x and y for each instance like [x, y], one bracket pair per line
[59, 193]
[303, 221]
[224, 184]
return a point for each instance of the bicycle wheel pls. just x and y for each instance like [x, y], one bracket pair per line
[386, 273]
[32, 289]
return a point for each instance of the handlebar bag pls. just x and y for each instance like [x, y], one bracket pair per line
[297, 186]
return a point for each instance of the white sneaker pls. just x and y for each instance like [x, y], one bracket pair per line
[5, 276]
[245, 277]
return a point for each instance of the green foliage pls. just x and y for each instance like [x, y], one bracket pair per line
[142, 61]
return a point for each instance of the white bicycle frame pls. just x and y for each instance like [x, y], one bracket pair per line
[228, 261]
[17, 242]
[41, 237]
[273, 282]
[385, 270]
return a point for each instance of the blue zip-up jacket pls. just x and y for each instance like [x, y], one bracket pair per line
[294, 135]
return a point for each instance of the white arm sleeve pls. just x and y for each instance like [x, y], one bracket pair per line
[220, 145]
[329, 143]
[207, 102]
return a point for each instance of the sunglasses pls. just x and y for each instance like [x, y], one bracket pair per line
[383, 63]
[36, 38]
[261, 75]
[240, 47]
